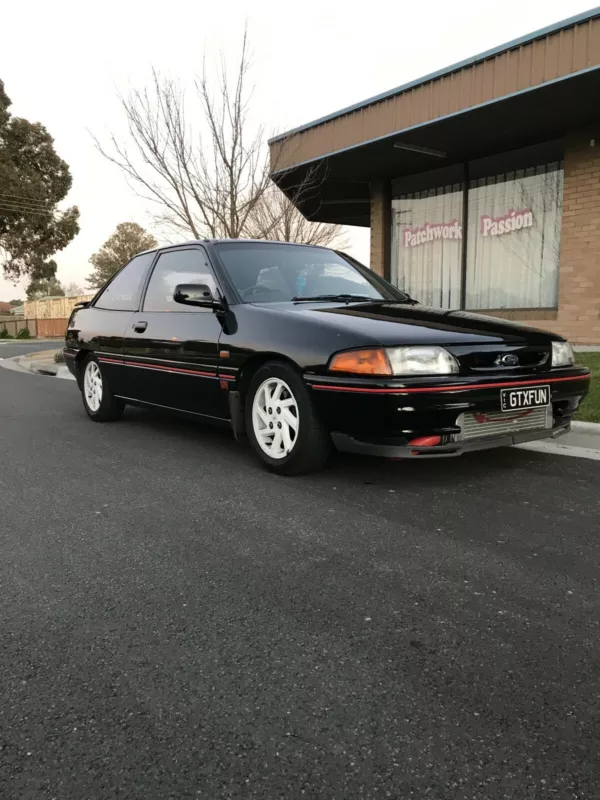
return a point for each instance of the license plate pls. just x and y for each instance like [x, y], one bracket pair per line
[530, 397]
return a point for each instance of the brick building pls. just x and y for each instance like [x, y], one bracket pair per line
[480, 182]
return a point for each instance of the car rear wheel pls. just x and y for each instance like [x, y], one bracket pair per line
[283, 426]
[98, 399]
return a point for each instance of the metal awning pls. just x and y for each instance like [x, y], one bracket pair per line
[535, 89]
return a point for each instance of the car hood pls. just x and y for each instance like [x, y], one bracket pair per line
[390, 323]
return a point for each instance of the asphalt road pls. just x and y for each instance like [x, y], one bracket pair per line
[177, 623]
[9, 348]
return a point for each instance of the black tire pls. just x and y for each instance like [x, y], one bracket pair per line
[110, 408]
[312, 443]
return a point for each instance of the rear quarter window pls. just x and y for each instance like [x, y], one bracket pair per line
[124, 290]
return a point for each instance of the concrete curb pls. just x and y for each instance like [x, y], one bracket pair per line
[27, 364]
[27, 342]
[50, 370]
[582, 439]
[586, 427]
[63, 372]
[559, 449]
[43, 369]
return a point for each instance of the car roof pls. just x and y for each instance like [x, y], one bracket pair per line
[230, 241]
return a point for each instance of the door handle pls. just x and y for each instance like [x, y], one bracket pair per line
[140, 327]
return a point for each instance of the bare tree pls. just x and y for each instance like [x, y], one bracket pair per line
[276, 217]
[73, 289]
[210, 182]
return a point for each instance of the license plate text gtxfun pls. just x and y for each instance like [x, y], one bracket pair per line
[514, 399]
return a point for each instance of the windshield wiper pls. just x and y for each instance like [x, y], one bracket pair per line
[333, 298]
[352, 298]
[406, 301]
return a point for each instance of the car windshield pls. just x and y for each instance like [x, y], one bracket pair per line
[275, 273]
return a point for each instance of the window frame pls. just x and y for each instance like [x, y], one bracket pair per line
[382, 284]
[456, 187]
[200, 248]
[543, 154]
[143, 284]
[473, 185]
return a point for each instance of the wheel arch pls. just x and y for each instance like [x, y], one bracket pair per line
[239, 391]
[253, 364]
[80, 358]
[311, 441]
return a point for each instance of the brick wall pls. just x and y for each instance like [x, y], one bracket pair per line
[579, 284]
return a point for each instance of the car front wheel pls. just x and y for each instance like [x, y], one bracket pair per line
[283, 426]
[98, 399]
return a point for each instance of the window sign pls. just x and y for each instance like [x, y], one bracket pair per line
[431, 232]
[511, 221]
[489, 226]
[513, 250]
[427, 245]
[512, 241]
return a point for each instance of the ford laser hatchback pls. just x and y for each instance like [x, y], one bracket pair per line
[298, 349]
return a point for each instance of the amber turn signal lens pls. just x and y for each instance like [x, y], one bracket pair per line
[362, 362]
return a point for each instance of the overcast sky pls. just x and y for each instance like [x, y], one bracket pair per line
[63, 62]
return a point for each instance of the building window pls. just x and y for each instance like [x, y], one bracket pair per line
[513, 245]
[508, 253]
[427, 245]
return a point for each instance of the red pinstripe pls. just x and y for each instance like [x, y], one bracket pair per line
[162, 368]
[454, 388]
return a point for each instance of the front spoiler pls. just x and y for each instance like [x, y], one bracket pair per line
[348, 444]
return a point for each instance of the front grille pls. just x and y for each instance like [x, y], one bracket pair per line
[488, 358]
[482, 424]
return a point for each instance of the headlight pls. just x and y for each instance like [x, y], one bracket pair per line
[422, 361]
[414, 360]
[562, 354]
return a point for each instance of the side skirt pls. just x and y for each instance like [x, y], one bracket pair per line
[220, 421]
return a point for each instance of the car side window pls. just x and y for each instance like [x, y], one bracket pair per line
[123, 292]
[173, 268]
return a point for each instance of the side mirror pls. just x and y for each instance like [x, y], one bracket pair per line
[196, 294]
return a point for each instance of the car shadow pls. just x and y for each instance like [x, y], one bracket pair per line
[432, 471]
[347, 467]
[200, 432]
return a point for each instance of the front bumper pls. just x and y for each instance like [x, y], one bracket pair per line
[383, 417]
[349, 444]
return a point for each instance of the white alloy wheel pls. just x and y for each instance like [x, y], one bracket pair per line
[92, 386]
[275, 418]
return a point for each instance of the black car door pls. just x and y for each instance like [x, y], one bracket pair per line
[108, 320]
[171, 350]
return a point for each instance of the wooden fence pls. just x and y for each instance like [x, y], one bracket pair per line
[53, 307]
[12, 325]
[46, 318]
[49, 328]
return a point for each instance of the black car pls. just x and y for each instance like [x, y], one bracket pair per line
[297, 348]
